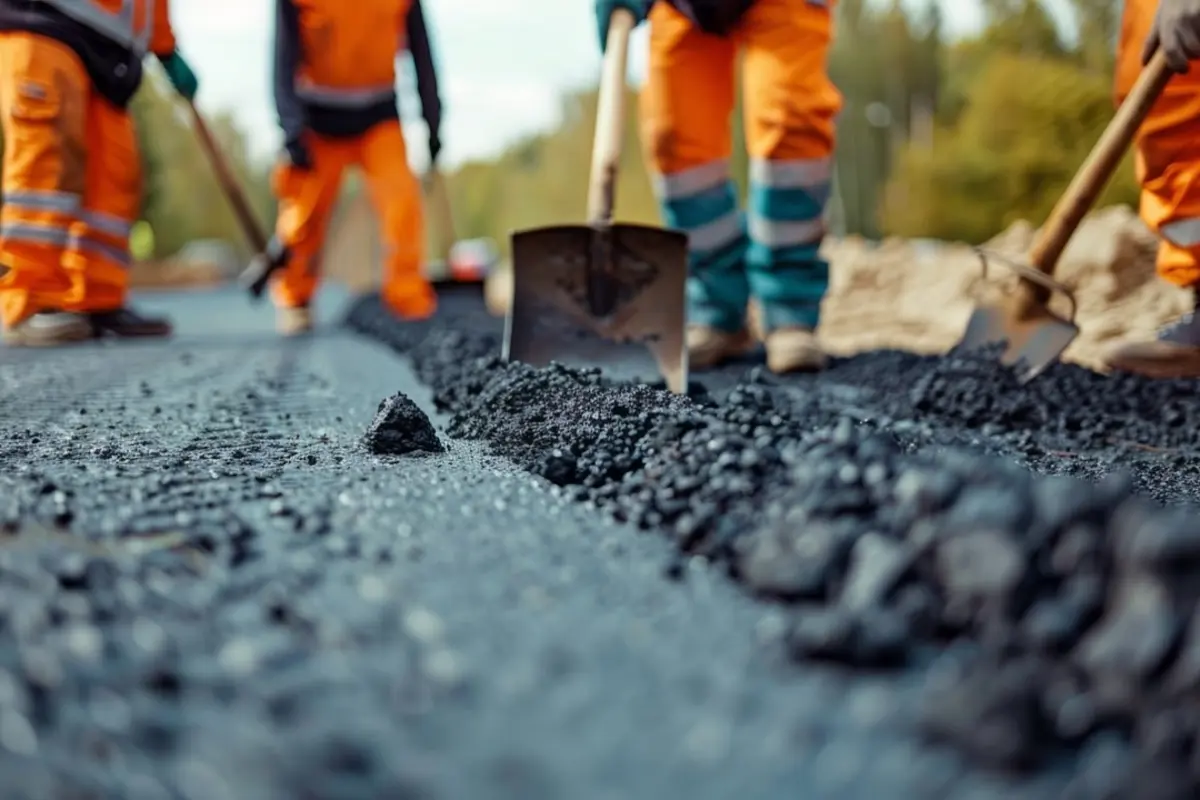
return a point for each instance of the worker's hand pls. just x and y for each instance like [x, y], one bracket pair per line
[1177, 31]
[435, 147]
[604, 11]
[298, 155]
[180, 74]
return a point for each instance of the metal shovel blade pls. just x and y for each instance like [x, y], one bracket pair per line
[1032, 342]
[609, 297]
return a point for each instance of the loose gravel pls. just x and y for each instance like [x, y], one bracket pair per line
[905, 510]
[211, 588]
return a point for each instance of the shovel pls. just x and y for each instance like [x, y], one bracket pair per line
[602, 293]
[1034, 336]
[437, 204]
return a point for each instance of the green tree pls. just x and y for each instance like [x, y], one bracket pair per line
[1099, 23]
[1030, 123]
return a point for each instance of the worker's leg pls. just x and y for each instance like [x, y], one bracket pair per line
[790, 107]
[306, 199]
[1168, 168]
[396, 195]
[685, 118]
[97, 256]
[43, 92]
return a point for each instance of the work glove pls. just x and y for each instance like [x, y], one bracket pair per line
[1177, 31]
[435, 147]
[605, 9]
[298, 154]
[180, 74]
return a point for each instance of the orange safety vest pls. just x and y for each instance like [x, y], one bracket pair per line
[349, 50]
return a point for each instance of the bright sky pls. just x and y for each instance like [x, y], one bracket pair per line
[503, 65]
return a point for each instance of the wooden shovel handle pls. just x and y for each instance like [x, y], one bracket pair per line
[250, 226]
[438, 198]
[610, 119]
[1101, 163]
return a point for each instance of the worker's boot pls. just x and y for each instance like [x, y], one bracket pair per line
[294, 321]
[48, 329]
[710, 347]
[125, 323]
[794, 349]
[1175, 353]
[411, 301]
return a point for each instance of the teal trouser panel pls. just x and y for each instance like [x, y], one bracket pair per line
[771, 253]
[786, 226]
[702, 202]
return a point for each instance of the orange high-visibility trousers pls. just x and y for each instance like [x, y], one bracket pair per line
[1168, 152]
[306, 200]
[71, 183]
[790, 108]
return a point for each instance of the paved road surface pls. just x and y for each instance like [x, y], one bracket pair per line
[210, 591]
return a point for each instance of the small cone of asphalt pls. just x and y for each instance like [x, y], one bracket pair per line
[400, 428]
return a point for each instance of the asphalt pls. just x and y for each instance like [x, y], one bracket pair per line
[210, 589]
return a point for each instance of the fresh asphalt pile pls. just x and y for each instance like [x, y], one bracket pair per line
[234, 566]
[906, 509]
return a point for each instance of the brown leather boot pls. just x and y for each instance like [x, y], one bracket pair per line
[125, 323]
[794, 350]
[710, 347]
[49, 329]
[1175, 353]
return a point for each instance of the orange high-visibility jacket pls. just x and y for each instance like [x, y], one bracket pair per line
[1168, 161]
[335, 64]
[111, 37]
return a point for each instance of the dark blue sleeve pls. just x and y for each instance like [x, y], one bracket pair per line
[422, 54]
[287, 60]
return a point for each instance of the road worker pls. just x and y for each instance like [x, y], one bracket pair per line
[335, 92]
[1168, 168]
[771, 252]
[72, 172]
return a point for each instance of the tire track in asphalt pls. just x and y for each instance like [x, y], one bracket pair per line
[333, 625]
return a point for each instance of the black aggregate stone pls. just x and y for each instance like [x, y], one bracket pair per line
[899, 505]
[209, 588]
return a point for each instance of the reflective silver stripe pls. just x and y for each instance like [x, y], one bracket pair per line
[106, 223]
[785, 234]
[43, 201]
[715, 234]
[37, 234]
[692, 181]
[117, 25]
[1182, 232]
[804, 173]
[117, 254]
[358, 97]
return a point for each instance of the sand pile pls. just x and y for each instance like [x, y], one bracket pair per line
[917, 295]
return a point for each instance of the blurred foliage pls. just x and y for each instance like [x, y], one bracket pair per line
[1009, 155]
[141, 241]
[950, 139]
[1022, 114]
[183, 200]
